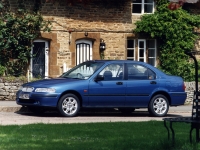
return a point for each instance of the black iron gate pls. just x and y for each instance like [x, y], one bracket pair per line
[38, 60]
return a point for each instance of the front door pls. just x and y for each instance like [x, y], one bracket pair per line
[109, 92]
[39, 61]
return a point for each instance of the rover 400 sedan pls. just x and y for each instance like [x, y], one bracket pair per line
[121, 84]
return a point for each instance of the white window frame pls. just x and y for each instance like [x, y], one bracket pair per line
[139, 48]
[143, 7]
[131, 48]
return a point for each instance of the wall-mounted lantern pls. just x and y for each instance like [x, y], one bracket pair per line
[102, 46]
[70, 36]
[86, 34]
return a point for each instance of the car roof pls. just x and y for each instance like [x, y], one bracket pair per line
[112, 60]
[123, 61]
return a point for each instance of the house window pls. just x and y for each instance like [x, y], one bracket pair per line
[83, 51]
[145, 50]
[142, 6]
[130, 49]
[151, 44]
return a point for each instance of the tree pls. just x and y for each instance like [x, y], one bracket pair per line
[175, 31]
[17, 32]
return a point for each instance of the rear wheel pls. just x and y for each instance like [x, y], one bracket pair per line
[69, 105]
[158, 106]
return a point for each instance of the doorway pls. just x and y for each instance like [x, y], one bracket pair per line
[83, 51]
[40, 57]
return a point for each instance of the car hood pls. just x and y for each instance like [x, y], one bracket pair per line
[50, 82]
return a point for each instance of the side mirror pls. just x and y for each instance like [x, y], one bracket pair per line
[99, 78]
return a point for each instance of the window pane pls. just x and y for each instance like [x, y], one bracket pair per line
[130, 59]
[148, 8]
[150, 74]
[151, 61]
[136, 8]
[148, 1]
[151, 53]
[130, 43]
[151, 44]
[141, 53]
[136, 1]
[141, 59]
[130, 53]
[141, 44]
[112, 72]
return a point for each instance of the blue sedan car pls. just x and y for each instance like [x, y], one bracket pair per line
[122, 84]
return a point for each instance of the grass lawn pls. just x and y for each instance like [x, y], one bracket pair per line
[151, 135]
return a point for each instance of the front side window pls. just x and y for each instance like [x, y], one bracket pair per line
[112, 72]
[142, 50]
[142, 6]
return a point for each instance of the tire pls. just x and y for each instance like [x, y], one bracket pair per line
[69, 105]
[37, 110]
[158, 106]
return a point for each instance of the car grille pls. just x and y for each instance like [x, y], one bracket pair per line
[26, 101]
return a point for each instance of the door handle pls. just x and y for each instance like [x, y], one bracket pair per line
[119, 83]
[153, 82]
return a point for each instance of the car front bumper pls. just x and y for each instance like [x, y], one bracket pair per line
[37, 99]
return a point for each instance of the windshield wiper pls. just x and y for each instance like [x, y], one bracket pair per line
[63, 77]
[78, 78]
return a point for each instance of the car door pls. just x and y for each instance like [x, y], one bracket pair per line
[109, 92]
[141, 82]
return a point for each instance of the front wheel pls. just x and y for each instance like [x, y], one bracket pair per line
[69, 105]
[158, 106]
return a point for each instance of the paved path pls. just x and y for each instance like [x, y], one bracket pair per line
[11, 113]
[10, 118]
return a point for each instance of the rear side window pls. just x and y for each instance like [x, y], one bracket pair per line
[139, 72]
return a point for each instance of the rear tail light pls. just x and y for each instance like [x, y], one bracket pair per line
[184, 87]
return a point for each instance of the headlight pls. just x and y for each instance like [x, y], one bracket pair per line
[47, 90]
[27, 89]
[20, 88]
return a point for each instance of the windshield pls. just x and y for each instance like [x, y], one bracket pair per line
[83, 70]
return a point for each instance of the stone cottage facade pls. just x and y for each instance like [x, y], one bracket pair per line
[79, 29]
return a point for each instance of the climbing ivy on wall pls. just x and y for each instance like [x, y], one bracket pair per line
[174, 30]
[17, 31]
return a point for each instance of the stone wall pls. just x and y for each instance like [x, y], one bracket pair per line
[9, 89]
[190, 87]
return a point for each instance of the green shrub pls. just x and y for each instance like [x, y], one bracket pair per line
[2, 70]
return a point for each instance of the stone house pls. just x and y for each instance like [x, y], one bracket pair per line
[80, 28]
